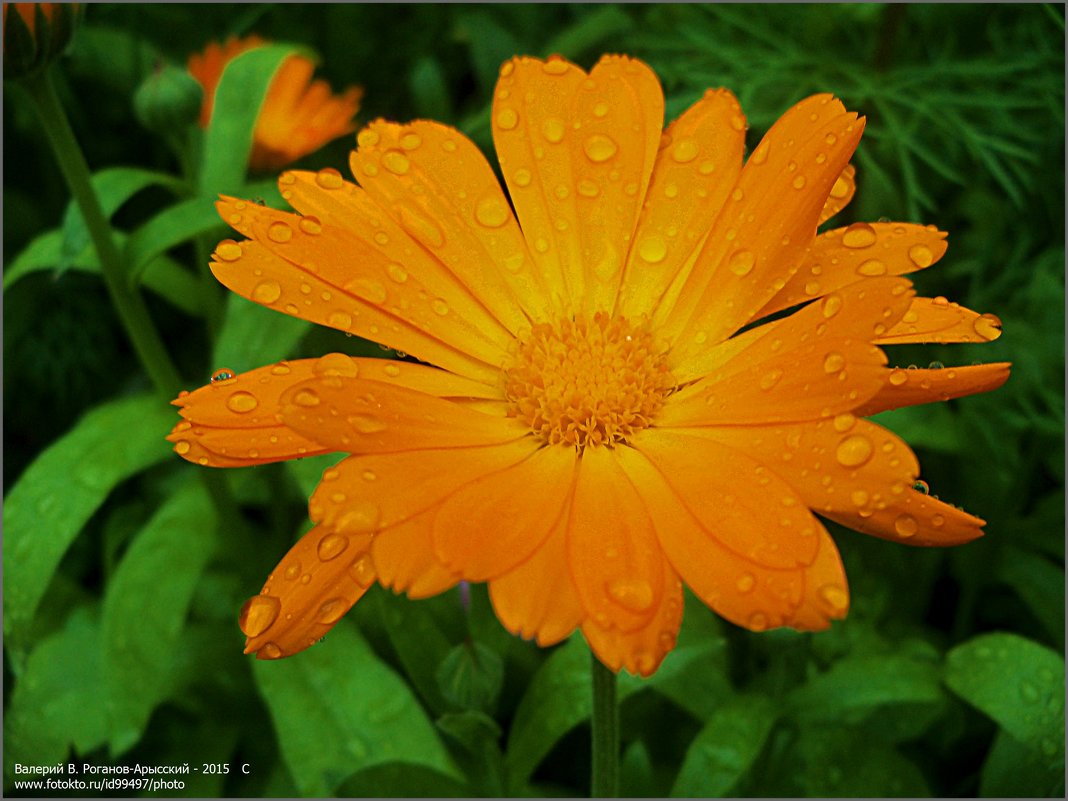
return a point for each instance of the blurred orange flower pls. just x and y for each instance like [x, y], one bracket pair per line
[27, 48]
[298, 115]
[614, 403]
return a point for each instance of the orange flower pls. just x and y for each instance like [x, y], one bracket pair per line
[297, 117]
[612, 408]
[36, 34]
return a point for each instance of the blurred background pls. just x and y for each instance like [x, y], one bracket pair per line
[947, 679]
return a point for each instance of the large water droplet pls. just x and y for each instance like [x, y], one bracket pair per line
[411, 141]
[311, 226]
[222, 374]
[340, 320]
[269, 651]
[491, 212]
[507, 119]
[905, 526]
[258, 614]
[336, 364]
[329, 178]
[831, 305]
[368, 289]
[242, 402]
[267, 292]
[307, 398]
[396, 162]
[553, 129]
[599, 148]
[871, 267]
[360, 518]
[635, 595]
[834, 362]
[897, 377]
[854, 451]
[859, 235]
[363, 571]
[741, 262]
[684, 151]
[439, 306]
[366, 424]
[653, 249]
[921, 256]
[332, 611]
[835, 596]
[228, 250]
[988, 326]
[331, 546]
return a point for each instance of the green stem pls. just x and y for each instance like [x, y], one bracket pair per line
[605, 779]
[127, 301]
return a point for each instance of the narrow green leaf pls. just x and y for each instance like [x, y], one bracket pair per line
[695, 677]
[253, 335]
[725, 748]
[61, 489]
[473, 730]
[470, 677]
[430, 91]
[238, 97]
[1018, 683]
[1040, 583]
[145, 609]
[113, 187]
[594, 29]
[1013, 770]
[57, 702]
[338, 709]
[558, 699]
[420, 644]
[840, 763]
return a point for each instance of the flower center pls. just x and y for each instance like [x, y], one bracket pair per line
[585, 383]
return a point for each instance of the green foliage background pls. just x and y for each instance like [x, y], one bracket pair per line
[122, 586]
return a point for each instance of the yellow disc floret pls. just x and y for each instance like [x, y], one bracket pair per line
[585, 383]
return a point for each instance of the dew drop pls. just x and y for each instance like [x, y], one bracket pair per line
[282, 368]
[859, 497]
[311, 226]
[738, 122]
[840, 189]
[812, 287]
[340, 320]
[336, 364]
[242, 402]
[440, 307]
[396, 162]
[228, 250]
[844, 422]
[684, 151]
[588, 188]
[522, 177]
[331, 546]
[391, 370]
[491, 212]
[831, 305]
[741, 262]
[758, 621]
[760, 155]
[922, 487]
[745, 582]
[835, 596]
[267, 292]
[897, 377]
[834, 362]
[770, 379]
[367, 138]
[600, 110]
[292, 572]
[329, 178]
[905, 526]
[859, 235]
[635, 595]
[306, 398]
[258, 614]
[921, 256]
[988, 326]
[936, 366]
[411, 141]
[368, 289]
[555, 66]
[222, 374]
[871, 268]
[181, 447]
[799, 182]
[507, 119]
[366, 424]
[653, 249]
[553, 129]
[363, 571]
[269, 651]
[854, 451]
[331, 611]
[599, 148]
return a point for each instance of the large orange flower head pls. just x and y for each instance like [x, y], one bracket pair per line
[611, 401]
[298, 115]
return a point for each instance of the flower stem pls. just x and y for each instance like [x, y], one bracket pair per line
[605, 723]
[127, 301]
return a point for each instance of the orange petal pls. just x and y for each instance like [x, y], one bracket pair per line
[938, 320]
[577, 152]
[314, 585]
[358, 415]
[912, 387]
[641, 651]
[351, 495]
[698, 163]
[761, 235]
[914, 518]
[826, 592]
[237, 422]
[741, 503]
[737, 588]
[815, 363]
[537, 599]
[612, 551]
[404, 558]
[474, 540]
[435, 183]
[325, 254]
[845, 255]
[834, 464]
[842, 192]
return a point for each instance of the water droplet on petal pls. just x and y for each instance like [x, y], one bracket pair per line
[684, 151]
[921, 256]
[368, 289]
[267, 292]
[292, 572]
[269, 651]
[599, 148]
[340, 320]
[258, 614]
[770, 379]
[905, 526]
[588, 188]
[311, 226]
[835, 596]
[859, 235]
[366, 424]
[411, 141]
[745, 582]
[336, 364]
[758, 621]
[491, 212]
[897, 377]
[522, 177]
[331, 546]
[760, 155]
[242, 402]
[332, 611]
[854, 451]
[439, 306]
[844, 422]
[872, 267]
[741, 262]
[831, 305]
[922, 487]
[553, 129]
[282, 368]
[181, 447]
[936, 366]
[507, 119]
[363, 571]
[555, 66]
[396, 162]
[635, 595]
[653, 249]
[833, 363]
[329, 178]
[228, 250]
[307, 398]
[799, 182]
[988, 326]
[222, 374]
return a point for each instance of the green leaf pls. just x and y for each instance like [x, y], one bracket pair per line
[113, 187]
[401, 780]
[1040, 583]
[57, 702]
[838, 763]
[419, 642]
[1018, 683]
[61, 489]
[338, 709]
[145, 608]
[857, 686]
[308, 472]
[238, 97]
[162, 275]
[253, 335]
[471, 676]
[1013, 770]
[430, 91]
[473, 730]
[558, 699]
[726, 748]
[602, 25]
[695, 677]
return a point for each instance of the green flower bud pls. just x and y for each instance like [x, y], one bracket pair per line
[34, 34]
[168, 100]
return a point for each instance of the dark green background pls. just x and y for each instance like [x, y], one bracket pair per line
[946, 679]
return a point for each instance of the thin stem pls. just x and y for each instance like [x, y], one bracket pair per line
[127, 301]
[605, 723]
